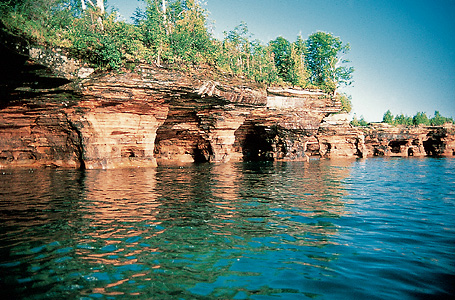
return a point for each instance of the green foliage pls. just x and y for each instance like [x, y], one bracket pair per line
[236, 53]
[190, 41]
[289, 61]
[298, 73]
[281, 49]
[240, 56]
[61, 23]
[152, 27]
[346, 104]
[420, 118]
[439, 120]
[263, 68]
[177, 35]
[359, 123]
[38, 21]
[388, 117]
[324, 60]
[403, 120]
[106, 49]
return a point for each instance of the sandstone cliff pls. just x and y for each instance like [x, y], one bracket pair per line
[67, 116]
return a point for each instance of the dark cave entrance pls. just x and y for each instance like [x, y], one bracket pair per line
[257, 145]
[378, 152]
[433, 146]
[396, 146]
[203, 152]
[410, 152]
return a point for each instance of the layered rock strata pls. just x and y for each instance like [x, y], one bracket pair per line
[385, 140]
[153, 116]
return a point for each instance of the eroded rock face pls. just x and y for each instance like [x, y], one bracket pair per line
[34, 135]
[60, 64]
[384, 140]
[157, 116]
[123, 120]
[287, 128]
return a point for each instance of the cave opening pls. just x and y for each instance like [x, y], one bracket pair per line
[358, 148]
[132, 152]
[202, 153]
[378, 152]
[258, 144]
[433, 147]
[410, 152]
[312, 147]
[281, 150]
[328, 147]
[397, 145]
[128, 153]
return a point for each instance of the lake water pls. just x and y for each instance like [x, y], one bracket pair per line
[324, 229]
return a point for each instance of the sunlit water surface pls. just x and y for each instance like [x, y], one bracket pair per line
[365, 229]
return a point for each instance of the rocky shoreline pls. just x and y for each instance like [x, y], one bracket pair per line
[70, 117]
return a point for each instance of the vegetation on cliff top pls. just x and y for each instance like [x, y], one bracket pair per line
[420, 118]
[175, 33]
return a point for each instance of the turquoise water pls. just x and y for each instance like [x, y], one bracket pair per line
[329, 229]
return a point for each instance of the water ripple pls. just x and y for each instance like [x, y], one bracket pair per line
[323, 229]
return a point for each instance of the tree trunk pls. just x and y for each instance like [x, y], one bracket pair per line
[100, 6]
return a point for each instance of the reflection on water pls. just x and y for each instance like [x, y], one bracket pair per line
[230, 231]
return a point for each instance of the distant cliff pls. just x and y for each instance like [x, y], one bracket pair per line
[55, 111]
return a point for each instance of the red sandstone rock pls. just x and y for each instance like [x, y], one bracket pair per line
[157, 116]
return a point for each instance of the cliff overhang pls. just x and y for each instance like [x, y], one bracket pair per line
[56, 112]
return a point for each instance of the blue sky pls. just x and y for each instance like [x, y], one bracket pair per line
[403, 51]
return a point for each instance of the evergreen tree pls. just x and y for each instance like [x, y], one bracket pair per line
[403, 120]
[361, 122]
[420, 118]
[262, 65]
[281, 49]
[438, 119]
[298, 75]
[388, 117]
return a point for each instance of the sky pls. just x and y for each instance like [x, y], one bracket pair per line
[403, 51]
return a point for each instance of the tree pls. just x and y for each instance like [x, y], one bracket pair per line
[99, 7]
[346, 103]
[298, 74]
[438, 119]
[281, 49]
[152, 24]
[189, 39]
[262, 64]
[237, 48]
[361, 122]
[420, 118]
[324, 60]
[388, 117]
[403, 120]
